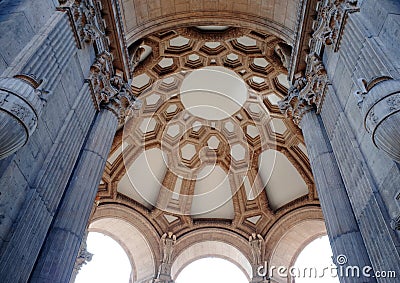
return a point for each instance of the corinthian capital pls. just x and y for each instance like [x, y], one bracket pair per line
[123, 102]
[108, 91]
[100, 79]
[332, 17]
[307, 92]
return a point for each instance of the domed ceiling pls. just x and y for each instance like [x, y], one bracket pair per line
[209, 146]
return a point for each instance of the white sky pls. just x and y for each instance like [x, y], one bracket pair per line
[111, 264]
[211, 270]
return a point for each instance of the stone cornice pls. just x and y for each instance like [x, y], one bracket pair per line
[99, 22]
[85, 20]
[332, 15]
[306, 13]
[319, 23]
[112, 19]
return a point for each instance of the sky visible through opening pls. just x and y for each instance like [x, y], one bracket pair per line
[111, 264]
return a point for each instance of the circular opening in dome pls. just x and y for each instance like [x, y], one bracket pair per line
[213, 93]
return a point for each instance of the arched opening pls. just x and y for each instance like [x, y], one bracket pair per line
[136, 245]
[212, 270]
[314, 263]
[189, 251]
[109, 262]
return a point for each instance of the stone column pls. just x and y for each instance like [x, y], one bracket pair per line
[114, 99]
[57, 257]
[304, 101]
[342, 227]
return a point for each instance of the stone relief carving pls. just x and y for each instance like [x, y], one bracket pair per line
[256, 242]
[395, 223]
[84, 19]
[111, 92]
[307, 92]
[83, 256]
[284, 52]
[379, 101]
[167, 245]
[331, 20]
[20, 105]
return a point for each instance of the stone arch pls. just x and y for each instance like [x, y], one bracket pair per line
[291, 234]
[136, 236]
[213, 242]
[141, 20]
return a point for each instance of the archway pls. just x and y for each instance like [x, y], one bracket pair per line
[211, 269]
[109, 263]
[136, 237]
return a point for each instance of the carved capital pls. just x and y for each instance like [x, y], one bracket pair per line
[99, 79]
[108, 91]
[123, 102]
[332, 15]
[307, 92]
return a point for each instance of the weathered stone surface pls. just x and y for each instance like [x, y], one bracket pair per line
[342, 227]
[56, 260]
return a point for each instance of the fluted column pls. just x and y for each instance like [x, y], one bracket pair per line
[57, 258]
[342, 227]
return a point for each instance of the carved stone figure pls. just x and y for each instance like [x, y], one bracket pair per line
[255, 242]
[167, 246]
[284, 52]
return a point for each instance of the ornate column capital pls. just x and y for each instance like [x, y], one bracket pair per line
[108, 91]
[306, 92]
[332, 15]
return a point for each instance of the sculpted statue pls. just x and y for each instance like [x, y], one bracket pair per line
[136, 56]
[167, 246]
[284, 52]
[255, 242]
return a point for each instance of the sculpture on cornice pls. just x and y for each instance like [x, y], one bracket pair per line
[85, 19]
